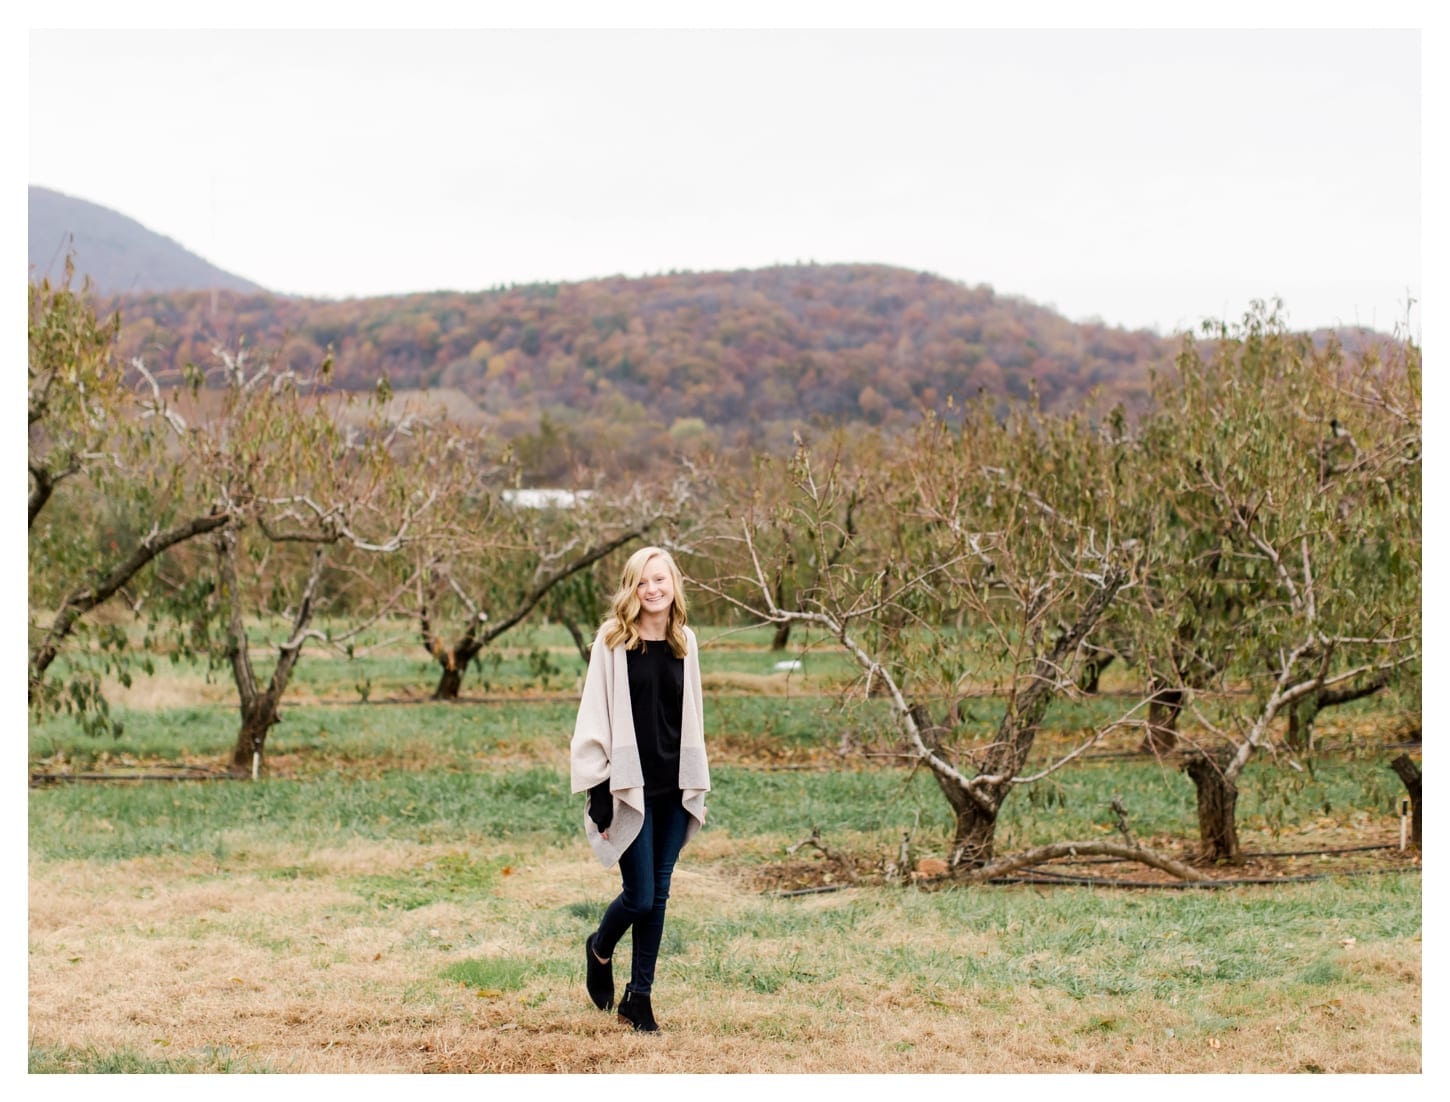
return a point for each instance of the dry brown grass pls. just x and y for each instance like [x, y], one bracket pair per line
[164, 957]
[758, 684]
[176, 690]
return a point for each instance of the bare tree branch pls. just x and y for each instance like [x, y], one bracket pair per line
[84, 600]
[1042, 854]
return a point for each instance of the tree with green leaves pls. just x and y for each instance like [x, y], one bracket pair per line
[111, 492]
[1284, 567]
[982, 558]
[320, 483]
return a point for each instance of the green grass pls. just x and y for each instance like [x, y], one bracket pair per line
[93, 1061]
[454, 878]
[119, 822]
[491, 974]
[423, 769]
[1076, 941]
[325, 734]
[799, 723]
[865, 809]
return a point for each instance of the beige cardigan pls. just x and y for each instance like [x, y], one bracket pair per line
[604, 747]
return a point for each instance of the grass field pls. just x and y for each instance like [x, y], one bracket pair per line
[407, 890]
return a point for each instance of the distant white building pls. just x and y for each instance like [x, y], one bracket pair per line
[546, 499]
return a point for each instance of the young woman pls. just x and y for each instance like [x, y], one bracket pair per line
[639, 751]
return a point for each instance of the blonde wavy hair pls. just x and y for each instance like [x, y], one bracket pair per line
[622, 625]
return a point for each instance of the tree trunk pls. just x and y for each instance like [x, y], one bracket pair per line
[1164, 708]
[258, 719]
[454, 663]
[975, 832]
[976, 823]
[455, 660]
[976, 809]
[259, 706]
[581, 642]
[1300, 733]
[781, 637]
[1409, 772]
[1092, 672]
[1217, 803]
[449, 684]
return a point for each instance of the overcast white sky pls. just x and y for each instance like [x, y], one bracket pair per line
[1144, 177]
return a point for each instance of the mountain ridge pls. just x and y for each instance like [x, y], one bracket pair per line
[117, 253]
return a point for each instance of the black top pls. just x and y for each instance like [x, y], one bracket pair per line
[656, 699]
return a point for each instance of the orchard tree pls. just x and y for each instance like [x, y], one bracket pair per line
[520, 549]
[983, 557]
[316, 482]
[1285, 568]
[112, 490]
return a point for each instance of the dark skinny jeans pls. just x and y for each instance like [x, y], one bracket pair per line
[645, 868]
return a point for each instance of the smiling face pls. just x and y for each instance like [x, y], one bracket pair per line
[650, 601]
[656, 590]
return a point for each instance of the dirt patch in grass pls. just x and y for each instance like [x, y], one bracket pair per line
[732, 748]
[814, 873]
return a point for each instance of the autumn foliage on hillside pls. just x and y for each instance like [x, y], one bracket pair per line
[722, 358]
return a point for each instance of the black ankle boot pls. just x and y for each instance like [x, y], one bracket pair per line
[598, 978]
[635, 1010]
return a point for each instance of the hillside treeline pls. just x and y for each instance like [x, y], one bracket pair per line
[723, 359]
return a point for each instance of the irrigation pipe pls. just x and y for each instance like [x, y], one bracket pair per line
[1227, 882]
[1068, 880]
[1262, 853]
[201, 774]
